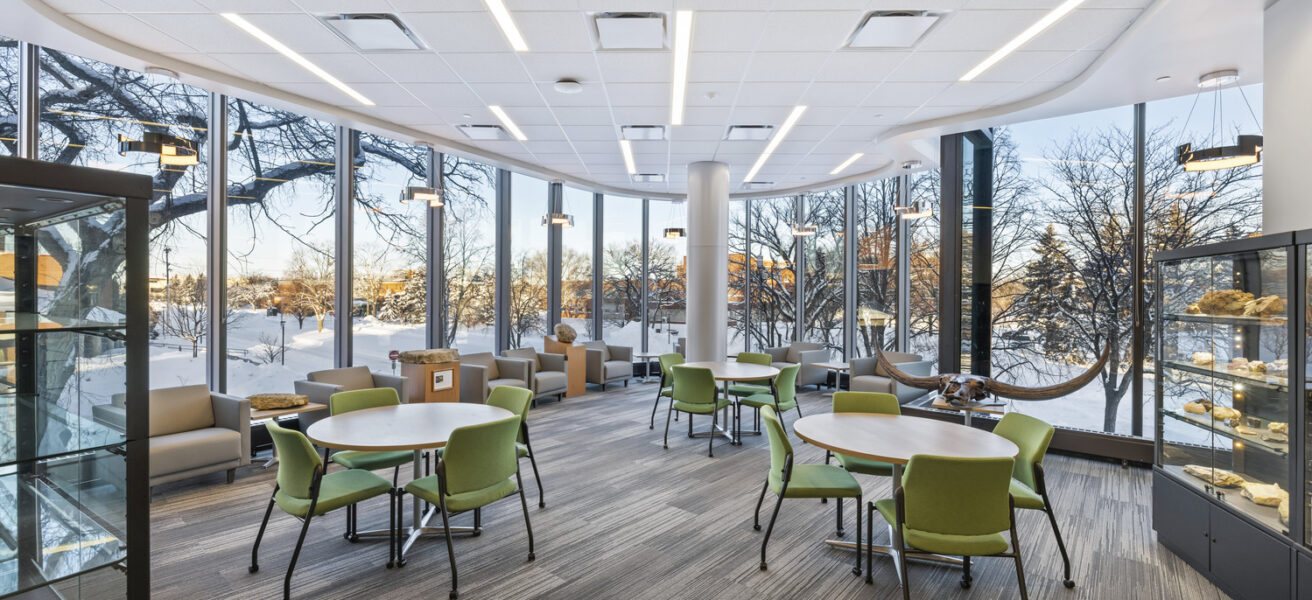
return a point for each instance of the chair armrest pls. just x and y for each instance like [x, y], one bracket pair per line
[594, 363]
[231, 412]
[862, 366]
[777, 354]
[400, 383]
[624, 353]
[473, 383]
[813, 356]
[517, 368]
[551, 362]
[316, 391]
[920, 368]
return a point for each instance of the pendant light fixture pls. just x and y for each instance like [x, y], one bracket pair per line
[1247, 149]
[171, 150]
[674, 233]
[803, 230]
[421, 194]
[561, 219]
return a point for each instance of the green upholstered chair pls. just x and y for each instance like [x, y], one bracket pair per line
[476, 469]
[1032, 436]
[865, 402]
[344, 402]
[782, 396]
[667, 382]
[304, 491]
[787, 480]
[517, 400]
[694, 392]
[954, 506]
[743, 389]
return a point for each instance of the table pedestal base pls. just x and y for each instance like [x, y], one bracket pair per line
[891, 552]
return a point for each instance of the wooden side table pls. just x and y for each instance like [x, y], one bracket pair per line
[433, 382]
[576, 364]
[273, 413]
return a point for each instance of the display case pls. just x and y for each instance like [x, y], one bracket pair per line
[73, 491]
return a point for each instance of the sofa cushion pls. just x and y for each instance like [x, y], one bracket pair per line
[871, 383]
[529, 353]
[483, 359]
[491, 383]
[599, 345]
[178, 409]
[550, 381]
[794, 354]
[617, 369]
[187, 450]
[350, 378]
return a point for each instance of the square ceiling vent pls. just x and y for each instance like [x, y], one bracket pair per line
[749, 132]
[630, 31]
[484, 133]
[892, 29]
[374, 32]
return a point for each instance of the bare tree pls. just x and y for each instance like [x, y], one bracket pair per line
[270, 350]
[310, 274]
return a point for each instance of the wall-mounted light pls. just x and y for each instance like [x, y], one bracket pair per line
[674, 233]
[171, 150]
[803, 230]
[561, 219]
[421, 194]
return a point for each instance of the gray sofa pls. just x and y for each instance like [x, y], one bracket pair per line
[193, 431]
[608, 364]
[481, 372]
[546, 376]
[805, 354]
[867, 376]
[321, 385]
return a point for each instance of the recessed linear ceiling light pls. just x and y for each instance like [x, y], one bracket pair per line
[1025, 36]
[626, 148]
[374, 32]
[642, 133]
[682, 49]
[295, 57]
[484, 133]
[509, 124]
[774, 141]
[749, 132]
[649, 178]
[847, 163]
[630, 31]
[892, 29]
[507, 24]
[757, 185]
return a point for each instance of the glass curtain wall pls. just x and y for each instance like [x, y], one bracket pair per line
[667, 275]
[8, 97]
[773, 302]
[876, 266]
[823, 300]
[390, 287]
[281, 237]
[527, 318]
[468, 245]
[576, 263]
[737, 333]
[85, 106]
[925, 260]
[622, 285]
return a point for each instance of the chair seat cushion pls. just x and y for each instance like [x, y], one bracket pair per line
[550, 381]
[819, 481]
[521, 451]
[700, 409]
[864, 466]
[617, 369]
[336, 490]
[491, 383]
[759, 400]
[183, 451]
[871, 383]
[427, 489]
[944, 543]
[748, 389]
[370, 461]
[1025, 497]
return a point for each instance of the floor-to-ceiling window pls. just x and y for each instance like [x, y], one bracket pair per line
[921, 218]
[576, 263]
[737, 330]
[822, 286]
[468, 245]
[667, 275]
[526, 321]
[390, 275]
[85, 106]
[622, 285]
[8, 97]
[773, 301]
[281, 254]
[876, 265]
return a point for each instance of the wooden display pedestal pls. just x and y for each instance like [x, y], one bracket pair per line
[576, 366]
[433, 382]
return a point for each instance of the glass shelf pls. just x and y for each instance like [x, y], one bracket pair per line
[1220, 428]
[23, 322]
[61, 432]
[1275, 321]
[1272, 381]
[1266, 515]
[71, 541]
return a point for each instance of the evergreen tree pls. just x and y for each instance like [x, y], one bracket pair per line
[1048, 293]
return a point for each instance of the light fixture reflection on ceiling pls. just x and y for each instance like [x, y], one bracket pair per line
[507, 24]
[1247, 149]
[507, 123]
[295, 57]
[682, 50]
[171, 150]
[911, 164]
[1030, 33]
[918, 213]
[561, 219]
[847, 163]
[674, 233]
[626, 148]
[421, 194]
[803, 230]
[774, 141]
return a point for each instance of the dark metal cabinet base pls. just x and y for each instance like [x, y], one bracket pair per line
[1180, 517]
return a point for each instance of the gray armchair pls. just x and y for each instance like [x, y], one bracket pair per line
[320, 385]
[546, 372]
[867, 376]
[193, 431]
[607, 363]
[805, 354]
[481, 372]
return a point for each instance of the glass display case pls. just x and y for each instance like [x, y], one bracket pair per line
[72, 337]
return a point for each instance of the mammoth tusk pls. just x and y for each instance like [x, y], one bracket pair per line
[924, 383]
[1016, 392]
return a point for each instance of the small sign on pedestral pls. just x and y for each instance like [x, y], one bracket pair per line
[393, 355]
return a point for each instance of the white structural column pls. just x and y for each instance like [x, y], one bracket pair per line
[1286, 96]
[708, 260]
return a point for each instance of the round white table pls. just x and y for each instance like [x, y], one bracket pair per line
[415, 427]
[894, 439]
[727, 372]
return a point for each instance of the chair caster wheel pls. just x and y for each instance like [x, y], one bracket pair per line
[824, 501]
[390, 564]
[856, 571]
[476, 533]
[532, 557]
[762, 565]
[455, 595]
[542, 504]
[965, 585]
[253, 568]
[1069, 583]
[756, 527]
[841, 533]
[869, 580]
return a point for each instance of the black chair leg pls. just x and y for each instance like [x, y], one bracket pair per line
[965, 573]
[756, 520]
[870, 539]
[666, 443]
[827, 455]
[349, 525]
[1015, 552]
[400, 539]
[1061, 545]
[392, 527]
[450, 550]
[769, 528]
[654, 406]
[857, 569]
[523, 503]
[838, 502]
[710, 435]
[542, 503]
[287, 581]
[255, 551]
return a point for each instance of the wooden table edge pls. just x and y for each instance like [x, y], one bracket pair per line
[273, 413]
[390, 448]
[887, 459]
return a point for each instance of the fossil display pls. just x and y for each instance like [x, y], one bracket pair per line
[959, 389]
[1265, 494]
[1201, 358]
[1225, 413]
[1216, 477]
[1266, 306]
[1283, 509]
[1223, 302]
[1276, 427]
[1198, 407]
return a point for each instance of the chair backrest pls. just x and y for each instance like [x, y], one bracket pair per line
[785, 383]
[667, 363]
[296, 460]
[693, 385]
[895, 358]
[754, 358]
[528, 353]
[866, 402]
[601, 346]
[1032, 436]
[780, 447]
[480, 456]
[179, 409]
[513, 399]
[344, 402]
[483, 359]
[796, 349]
[349, 378]
[957, 496]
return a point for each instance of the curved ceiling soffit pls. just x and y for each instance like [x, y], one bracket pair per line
[902, 135]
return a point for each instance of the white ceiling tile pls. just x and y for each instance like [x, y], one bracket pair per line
[579, 66]
[205, 33]
[770, 94]
[855, 132]
[644, 115]
[172, 6]
[350, 68]
[837, 94]
[687, 133]
[718, 66]
[978, 30]
[541, 148]
[530, 116]
[301, 33]
[706, 115]
[136, 32]
[971, 93]
[487, 67]
[250, 6]
[508, 94]
[1024, 91]
[570, 115]
[935, 112]
[904, 93]
[854, 65]
[586, 133]
[785, 66]
[627, 67]
[809, 132]
[638, 94]
[413, 67]
[458, 31]
[726, 31]
[448, 95]
[1069, 69]
[387, 94]
[1022, 66]
[592, 94]
[936, 66]
[808, 30]
[554, 31]
[407, 115]
[201, 60]
[1085, 29]
[543, 132]
[596, 147]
